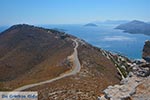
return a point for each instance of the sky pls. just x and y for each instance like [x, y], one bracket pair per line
[71, 11]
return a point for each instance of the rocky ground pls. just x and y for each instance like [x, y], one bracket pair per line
[134, 87]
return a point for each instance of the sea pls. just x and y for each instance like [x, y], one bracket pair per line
[106, 37]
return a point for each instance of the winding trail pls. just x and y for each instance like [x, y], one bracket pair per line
[75, 70]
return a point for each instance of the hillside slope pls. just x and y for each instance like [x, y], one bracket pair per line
[31, 54]
[97, 72]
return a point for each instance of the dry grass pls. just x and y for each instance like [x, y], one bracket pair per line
[29, 54]
[87, 84]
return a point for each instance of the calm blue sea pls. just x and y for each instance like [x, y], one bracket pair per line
[108, 38]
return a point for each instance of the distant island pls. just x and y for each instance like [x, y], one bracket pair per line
[135, 27]
[91, 25]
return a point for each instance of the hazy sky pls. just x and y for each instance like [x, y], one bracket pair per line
[71, 11]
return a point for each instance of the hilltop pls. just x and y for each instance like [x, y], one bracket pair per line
[31, 52]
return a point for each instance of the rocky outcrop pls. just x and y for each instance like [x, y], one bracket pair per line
[146, 51]
[121, 92]
[131, 87]
[142, 91]
[122, 63]
[142, 70]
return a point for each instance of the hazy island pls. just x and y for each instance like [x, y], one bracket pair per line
[135, 27]
[91, 25]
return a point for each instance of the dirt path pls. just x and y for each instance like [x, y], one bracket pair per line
[75, 70]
